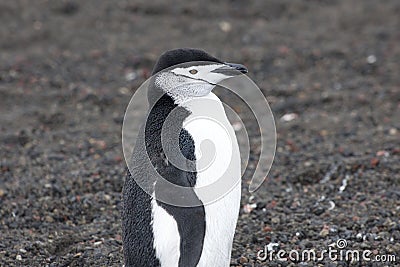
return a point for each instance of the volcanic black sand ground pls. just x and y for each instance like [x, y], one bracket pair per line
[69, 68]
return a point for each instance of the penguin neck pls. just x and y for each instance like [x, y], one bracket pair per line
[208, 106]
[167, 114]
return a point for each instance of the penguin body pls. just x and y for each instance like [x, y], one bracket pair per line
[156, 233]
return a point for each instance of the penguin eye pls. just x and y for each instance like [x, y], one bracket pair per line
[193, 71]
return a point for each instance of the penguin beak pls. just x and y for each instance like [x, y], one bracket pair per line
[231, 69]
[238, 67]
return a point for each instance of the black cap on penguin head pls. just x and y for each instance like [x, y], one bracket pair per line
[181, 55]
[175, 57]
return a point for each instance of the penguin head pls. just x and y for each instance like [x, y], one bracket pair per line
[188, 73]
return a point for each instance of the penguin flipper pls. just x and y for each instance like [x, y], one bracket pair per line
[190, 221]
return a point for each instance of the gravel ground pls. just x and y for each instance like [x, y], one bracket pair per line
[330, 70]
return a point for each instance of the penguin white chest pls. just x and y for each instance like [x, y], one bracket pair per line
[217, 158]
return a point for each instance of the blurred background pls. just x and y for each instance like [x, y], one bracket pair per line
[329, 69]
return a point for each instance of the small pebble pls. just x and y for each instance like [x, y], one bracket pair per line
[374, 162]
[318, 210]
[371, 59]
[332, 205]
[130, 76]
[249, 207]
[49, 219]
[393, 131]
[382, 153]
[289, 117]
[323, 132]
[243, 260]
[325, 231]
[267, 229]
[123, 91]
[225, 26]
[307, 163]
[275, 220]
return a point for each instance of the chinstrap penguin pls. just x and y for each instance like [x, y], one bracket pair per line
[157, 232]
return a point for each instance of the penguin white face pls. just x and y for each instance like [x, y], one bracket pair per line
[187, 82]
[212, 74]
